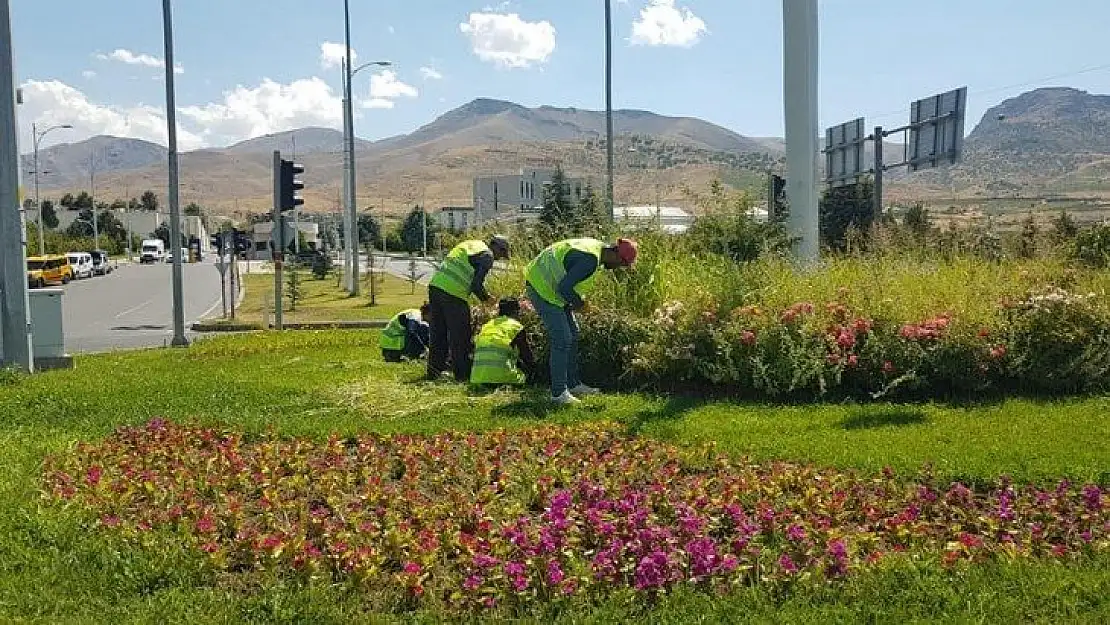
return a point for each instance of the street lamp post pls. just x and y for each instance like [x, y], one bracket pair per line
[609, 108]
[179, 339]
[37, 136]
[352, 193]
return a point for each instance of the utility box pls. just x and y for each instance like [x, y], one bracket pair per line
[48, 335]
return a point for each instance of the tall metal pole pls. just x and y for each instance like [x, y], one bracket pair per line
[609, 108]
[278, 237]
[38, 204]
[92, 200]
[15, 319]
[878, 190]
[799, 19]
[348, 227]
[179, 339]
[352, 199]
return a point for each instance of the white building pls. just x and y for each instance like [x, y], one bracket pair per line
[495, 197]
[670, 219]
[261, 232]
[456, 218]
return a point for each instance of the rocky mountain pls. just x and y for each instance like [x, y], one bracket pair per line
[1042, 141]
[69, 164]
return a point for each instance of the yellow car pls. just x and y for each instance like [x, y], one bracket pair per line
[44, 270]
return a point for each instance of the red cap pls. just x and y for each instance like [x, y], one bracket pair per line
[627, 250]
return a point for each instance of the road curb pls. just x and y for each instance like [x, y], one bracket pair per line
[370, 324]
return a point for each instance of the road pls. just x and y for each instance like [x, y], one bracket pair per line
[133, 307]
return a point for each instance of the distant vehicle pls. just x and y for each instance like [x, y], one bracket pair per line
[184, 255]
[102, 266]
[82, 264]
[44, 270]
[152, 251]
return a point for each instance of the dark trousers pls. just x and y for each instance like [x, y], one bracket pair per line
[451, 335]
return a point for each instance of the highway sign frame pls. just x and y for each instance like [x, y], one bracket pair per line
[844, 153]
[936, 130]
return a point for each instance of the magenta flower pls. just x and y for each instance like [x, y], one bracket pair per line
[555, 573]
[412, 568]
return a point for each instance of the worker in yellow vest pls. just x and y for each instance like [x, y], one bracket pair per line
[557, 281]
[406, 335]
[462, 273]
[501, 351]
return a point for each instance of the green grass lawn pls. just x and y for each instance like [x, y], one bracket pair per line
[315, 383]
[323, 300]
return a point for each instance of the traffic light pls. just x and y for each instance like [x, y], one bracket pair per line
[217, 242]
[290, 197]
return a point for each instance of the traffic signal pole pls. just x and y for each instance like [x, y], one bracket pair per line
[278, 239]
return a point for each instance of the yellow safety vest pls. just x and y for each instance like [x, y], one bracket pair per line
[546, 271]
[455, 274]
[393, 336]
[494, 355]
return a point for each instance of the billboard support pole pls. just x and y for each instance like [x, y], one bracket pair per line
[878, 173]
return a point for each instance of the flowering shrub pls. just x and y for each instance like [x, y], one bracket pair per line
[472, 521]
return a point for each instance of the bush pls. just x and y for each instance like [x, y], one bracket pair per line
[1092, 246]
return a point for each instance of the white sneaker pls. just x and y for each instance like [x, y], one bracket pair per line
[566, 399]
[583, 390]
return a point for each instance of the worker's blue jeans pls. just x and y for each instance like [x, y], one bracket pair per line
[562, 336]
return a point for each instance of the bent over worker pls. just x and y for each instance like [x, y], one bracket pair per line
[462, 273]
[406, 335]
[502, 354]
[558, 280]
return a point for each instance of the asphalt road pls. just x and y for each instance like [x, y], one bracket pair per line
[133, 306]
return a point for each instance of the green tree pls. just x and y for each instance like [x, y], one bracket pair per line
[118, 205]
[559, 209]
[67, 201]
[293, 291]
[193, 209]
[1064, 227]
[82, 226]
[149, 201]
[587, 217]
[162, 232]
[917, 221]
[83, 201]
[842, 208]
[133, 204]
[49, 215]
[1027, 246]
[412, 231]
[369, 230]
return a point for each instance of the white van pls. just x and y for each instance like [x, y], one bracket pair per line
[153, 251]
[82, 264]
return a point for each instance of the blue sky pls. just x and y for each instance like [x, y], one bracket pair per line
[249, 67]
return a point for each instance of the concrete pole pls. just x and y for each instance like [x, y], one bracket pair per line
[179, 339]
[38, 204]
[799, 19]
[15, 317]
[352, 199]
[347, 226]
[609, 109]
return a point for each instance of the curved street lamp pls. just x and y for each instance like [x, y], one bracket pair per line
[38, 136]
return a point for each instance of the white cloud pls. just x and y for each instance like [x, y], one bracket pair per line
[53, 102]
[270, 107]
[430, 73]
[128, 57]
[661, 23]
[509, 41]
[392, 30]
[89, 74]
[333, 54]
[385, 89]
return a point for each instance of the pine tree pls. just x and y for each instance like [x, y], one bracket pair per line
[1029, 232]
[558, 207]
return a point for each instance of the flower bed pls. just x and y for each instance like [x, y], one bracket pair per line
[469, 521]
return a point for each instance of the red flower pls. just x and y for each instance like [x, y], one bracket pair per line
[862, 326]
[853, 360]
[888, 367]
[846, 338]
[984, 333]
[747, 337]
[910, 332]
[205, 524]
[998, 351]
[412, 568]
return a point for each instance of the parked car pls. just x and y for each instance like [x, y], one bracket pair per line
[45, 270]
[184, 255]
[153, 250]
[82, 264]
[102, 266]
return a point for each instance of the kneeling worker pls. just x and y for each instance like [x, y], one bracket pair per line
[462, 273]
[406, 336]
[558, 280]
[501, 352]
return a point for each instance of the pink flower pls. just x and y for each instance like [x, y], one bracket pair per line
[412, 568]
[555, 573]
[888, 367]
[853, 360]
[205, 524]
[472, 583]
[92, 476]
[747, 337]
[787, 564]
[998, 351]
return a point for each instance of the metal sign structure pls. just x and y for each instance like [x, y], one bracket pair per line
[844, 162]
[936, 132]
[935, 137]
